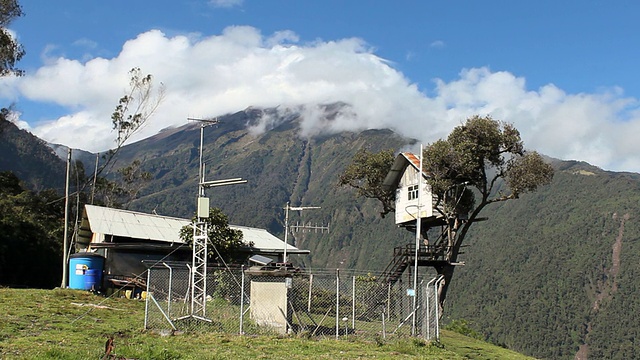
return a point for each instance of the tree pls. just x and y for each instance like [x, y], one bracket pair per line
[10, 51]
[366, 174]
[133, 111]
[124, 188]
[481, 162]
[30, 233]
[226, 242]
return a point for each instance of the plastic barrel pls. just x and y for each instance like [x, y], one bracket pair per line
[85, 271]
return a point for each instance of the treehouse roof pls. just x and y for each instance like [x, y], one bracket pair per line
[400, 164]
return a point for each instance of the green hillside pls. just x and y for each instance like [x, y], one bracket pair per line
[72, 324]
[558, 268]
[29, 158]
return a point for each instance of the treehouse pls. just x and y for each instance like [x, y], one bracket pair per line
[406, 178]
[414, 200]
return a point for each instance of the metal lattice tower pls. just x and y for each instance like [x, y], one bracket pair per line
[199, 270]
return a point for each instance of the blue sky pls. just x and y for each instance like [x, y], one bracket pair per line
[564, 72]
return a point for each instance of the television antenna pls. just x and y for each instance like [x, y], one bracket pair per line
[297, 227]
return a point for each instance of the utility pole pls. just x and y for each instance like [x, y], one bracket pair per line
[418, 231]
[286, 225]
[65, 247]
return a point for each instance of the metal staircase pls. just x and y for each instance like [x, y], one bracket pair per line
[404, 256]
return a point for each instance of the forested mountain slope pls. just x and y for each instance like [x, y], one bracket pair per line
[558, 269]
[30, 158]
[280, 167]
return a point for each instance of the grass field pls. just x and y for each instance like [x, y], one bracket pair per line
[72, 324]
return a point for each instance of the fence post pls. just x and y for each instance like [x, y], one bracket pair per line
[170, 289]
[242, 303]
[435, 290]
[146, 302]
[353, 304]
[337, 303]
[389, 300]
[384, 330]
[310, 285]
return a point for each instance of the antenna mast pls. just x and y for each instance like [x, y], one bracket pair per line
[200, 231]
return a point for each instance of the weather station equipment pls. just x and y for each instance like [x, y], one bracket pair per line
[200, 232]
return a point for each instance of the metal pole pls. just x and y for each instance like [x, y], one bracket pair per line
[435, 289]
[337, 303]
[200, 169]
[242, 303]
[95, 177]
[384, 329]
[286, 232]
[353, 304]
[310, 286]
[65, 250]
[170, 287]
[146, 301]
[418, 230]
[389, 299]
[435, 282]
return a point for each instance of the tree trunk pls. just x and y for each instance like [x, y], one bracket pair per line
[447, 272]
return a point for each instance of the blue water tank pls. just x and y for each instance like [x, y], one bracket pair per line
[85, 271]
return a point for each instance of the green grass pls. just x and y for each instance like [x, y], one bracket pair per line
[63, 324]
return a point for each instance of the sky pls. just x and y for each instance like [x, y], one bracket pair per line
[565, 73]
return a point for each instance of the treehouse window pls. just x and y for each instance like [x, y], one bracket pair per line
[413, 192]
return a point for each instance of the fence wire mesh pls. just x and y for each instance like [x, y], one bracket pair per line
[324, 303]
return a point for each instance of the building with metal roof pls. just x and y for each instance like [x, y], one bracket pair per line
[128, 238]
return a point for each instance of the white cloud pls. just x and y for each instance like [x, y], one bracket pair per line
[210, 76]
[437, 44]
[226, 3]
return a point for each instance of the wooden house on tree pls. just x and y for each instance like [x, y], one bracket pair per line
[414, 201]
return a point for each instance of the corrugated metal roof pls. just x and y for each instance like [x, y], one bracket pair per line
[397, 169]
[133, 224]
[137, 225]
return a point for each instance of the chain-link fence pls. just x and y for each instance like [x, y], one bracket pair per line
[329, 303]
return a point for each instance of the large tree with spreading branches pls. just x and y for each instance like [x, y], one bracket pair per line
[482, 161]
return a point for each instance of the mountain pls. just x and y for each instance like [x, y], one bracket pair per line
[30, 158]
[556, 273]
[553, 274]
[280, 167]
